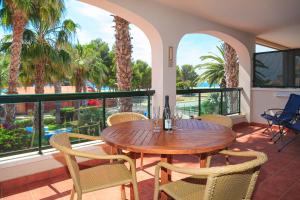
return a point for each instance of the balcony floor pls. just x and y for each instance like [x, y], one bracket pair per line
[279, 177]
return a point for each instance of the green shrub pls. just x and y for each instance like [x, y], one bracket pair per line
[67, 114]
[22, 123]
[90, 117]
[67, 110]
[15, 139]
[52, 127]
[49, 120]
[211, 104]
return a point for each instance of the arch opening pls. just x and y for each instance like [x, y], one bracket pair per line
[244, 71]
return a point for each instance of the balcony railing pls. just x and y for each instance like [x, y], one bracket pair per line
[224, 101]
[37, 117]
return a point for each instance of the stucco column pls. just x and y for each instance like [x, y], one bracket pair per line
[163, 73]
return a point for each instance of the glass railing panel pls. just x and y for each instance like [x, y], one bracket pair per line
[231, 102]
[187, 104]
[211, 103]
[18, 134]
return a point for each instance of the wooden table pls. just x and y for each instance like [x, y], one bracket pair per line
[192, 137]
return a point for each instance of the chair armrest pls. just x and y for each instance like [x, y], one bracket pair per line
[206, 172]
[86, 137]
[242, 153]
[273, 109]
[101, 157]
[182, 170]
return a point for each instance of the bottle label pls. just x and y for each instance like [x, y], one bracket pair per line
[168, 124]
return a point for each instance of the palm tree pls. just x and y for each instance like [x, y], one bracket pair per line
[79, 67]
[14, 15]
[213, 67]
[231, 66]
[123, 60]
[99, 62]
[43, 46]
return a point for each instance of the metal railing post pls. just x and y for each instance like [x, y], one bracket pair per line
[104, 112]
[221, 103]
[149, 106]
[239, 106]
[199, 104]
[40, 128]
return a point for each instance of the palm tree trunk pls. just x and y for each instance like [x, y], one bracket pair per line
[39, 89]
[18, 25]
[231, 71]
[57, 90]
[78, 89]
[123, 60]
[231, 66]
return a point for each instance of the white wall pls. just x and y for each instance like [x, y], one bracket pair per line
[266, 98]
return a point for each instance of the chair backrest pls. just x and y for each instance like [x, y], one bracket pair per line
[234, 182]
[124, 117]
[292, 107]
[218, 119]
[62, 143]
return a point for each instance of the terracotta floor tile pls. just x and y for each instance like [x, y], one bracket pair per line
[278, 179]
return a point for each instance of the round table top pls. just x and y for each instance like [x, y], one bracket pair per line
[192, 137]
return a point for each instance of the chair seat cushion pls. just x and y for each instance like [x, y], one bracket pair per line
[191, 188]
[104, 176]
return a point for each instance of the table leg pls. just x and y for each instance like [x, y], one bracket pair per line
[165, 173]
[133, 157]
[203, 160]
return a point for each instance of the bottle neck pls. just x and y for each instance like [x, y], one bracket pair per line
[167, 102]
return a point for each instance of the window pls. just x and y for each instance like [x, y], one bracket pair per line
[277, 69]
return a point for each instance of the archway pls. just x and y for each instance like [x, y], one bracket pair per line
[244, 66]
[153, 35]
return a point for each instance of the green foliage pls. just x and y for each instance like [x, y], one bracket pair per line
[22, 123]
[67, 110]
[15, 139]
[141, 77]
[186, 77]
[4, 65]
[90, 119]
[213, 67]
[52, 127]
[211, 104]
[49, 120]
[67, 114]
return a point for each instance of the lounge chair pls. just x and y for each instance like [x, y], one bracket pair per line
[294, 126]
[231, 182]
[281, 116]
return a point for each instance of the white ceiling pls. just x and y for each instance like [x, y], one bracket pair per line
[275, 20]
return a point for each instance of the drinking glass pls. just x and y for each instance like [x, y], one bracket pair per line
[178, 119]
[174, 118]
[155, 119]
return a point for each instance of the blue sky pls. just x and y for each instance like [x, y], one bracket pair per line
[98, 23]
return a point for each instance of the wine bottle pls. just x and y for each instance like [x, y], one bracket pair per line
[167, 122]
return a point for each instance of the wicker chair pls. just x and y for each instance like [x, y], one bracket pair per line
[125, 117]
[218, 119]
[94, 178]
[232, 182]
